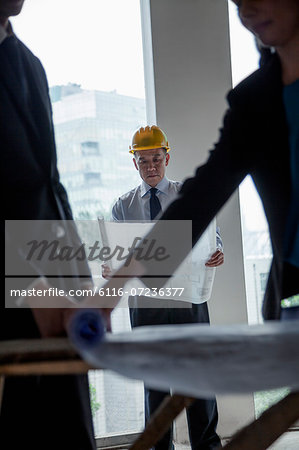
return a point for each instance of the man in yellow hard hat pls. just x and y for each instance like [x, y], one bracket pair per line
[151, 157]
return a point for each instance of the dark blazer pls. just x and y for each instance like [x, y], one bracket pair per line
[33, 192]
[254, 141]
[27, 139]
[30, 176]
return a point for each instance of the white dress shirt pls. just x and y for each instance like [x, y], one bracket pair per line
[135, 204]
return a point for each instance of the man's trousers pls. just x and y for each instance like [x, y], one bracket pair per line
[202, 416]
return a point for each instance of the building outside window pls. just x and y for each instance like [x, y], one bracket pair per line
[90, 148]
[93, 130]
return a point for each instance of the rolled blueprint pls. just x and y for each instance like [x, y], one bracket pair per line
[87, 329]
[201, 360]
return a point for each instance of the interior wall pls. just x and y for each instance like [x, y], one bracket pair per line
[192, 73]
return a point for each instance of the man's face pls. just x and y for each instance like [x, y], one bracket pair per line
[9, 8]
[151, 165]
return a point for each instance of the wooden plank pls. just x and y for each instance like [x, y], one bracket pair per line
[2, 382]
[261, 433]
[30, 350]
[161, 421]
[45, 368]
[53, 356]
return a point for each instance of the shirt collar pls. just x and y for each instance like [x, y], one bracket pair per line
[162, 186]
[4, 32]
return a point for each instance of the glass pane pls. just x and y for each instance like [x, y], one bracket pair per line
[121, 400]
[92, 54]
[256, 241]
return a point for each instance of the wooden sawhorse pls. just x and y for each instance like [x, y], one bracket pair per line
[258, 435]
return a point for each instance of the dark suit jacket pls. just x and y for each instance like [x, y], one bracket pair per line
[254, 141]
[27, 141]
[34, 192]
[30, 177]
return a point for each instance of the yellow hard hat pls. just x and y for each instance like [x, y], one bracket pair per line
[148, 138]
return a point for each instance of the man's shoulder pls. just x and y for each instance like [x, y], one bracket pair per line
[32, 59]
[120, 207]
[175, 185]
[27, 51]
[128, 195]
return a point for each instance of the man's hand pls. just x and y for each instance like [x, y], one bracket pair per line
[106, 271]
[216, 259]
[50, 312]
[52, 322]
[53, 319]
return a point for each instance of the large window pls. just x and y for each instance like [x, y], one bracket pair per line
[92, 53]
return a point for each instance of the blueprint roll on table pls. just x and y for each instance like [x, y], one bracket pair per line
[200, 360]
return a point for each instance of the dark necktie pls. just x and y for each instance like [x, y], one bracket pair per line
[155, 205]
[11, 47]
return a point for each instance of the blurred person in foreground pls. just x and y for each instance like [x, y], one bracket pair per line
[48, 412]
[259, 137]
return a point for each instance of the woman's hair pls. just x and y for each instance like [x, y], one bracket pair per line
[264, 51]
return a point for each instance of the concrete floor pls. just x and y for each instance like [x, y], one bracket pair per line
[289, 441]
